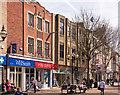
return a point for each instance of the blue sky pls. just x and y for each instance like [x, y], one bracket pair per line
[107, 9]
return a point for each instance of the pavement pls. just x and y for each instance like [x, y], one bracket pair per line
[109, 90]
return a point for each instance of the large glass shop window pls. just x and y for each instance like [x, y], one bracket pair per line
[29, 76]
[16, 76]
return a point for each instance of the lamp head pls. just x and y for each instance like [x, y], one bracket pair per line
[3, 33]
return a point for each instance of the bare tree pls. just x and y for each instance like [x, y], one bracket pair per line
[98, 33]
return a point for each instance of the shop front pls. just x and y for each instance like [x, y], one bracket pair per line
[59, 77]
[44, 74]
[2, 64]
[20, 71]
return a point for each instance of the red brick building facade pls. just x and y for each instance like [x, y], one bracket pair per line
[19, 30]
[29, 25]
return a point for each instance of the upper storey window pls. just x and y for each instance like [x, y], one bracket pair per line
[30, 19]
[46, 26]
[39, 23]
[30, 45]
[73, 32]
[68, 32]
[61, 26]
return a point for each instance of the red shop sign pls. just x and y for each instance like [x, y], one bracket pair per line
[43, 65]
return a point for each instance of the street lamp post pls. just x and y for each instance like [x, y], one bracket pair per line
[72, 60]
[49, 35]
[3, 35]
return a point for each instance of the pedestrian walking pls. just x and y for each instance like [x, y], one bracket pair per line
[112, 82]
[68, 81]
[34, 84]
[3, 86]
[91, 83]
[102, 87]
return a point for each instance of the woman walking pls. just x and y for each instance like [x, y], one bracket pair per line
[34, 84]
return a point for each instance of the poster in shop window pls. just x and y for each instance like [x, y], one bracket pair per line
[46, 77]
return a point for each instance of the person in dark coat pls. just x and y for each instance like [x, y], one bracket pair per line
[68, 81]
[107, 81]
[91, 82]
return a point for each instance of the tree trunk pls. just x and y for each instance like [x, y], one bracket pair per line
[88, 80]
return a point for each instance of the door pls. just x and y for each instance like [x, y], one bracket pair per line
[18, 80]
[46, 78]
[0, 79]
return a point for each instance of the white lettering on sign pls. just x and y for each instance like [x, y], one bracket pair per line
[44, 65]
[22, 63]
[40, 65]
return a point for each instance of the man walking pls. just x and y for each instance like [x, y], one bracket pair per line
[102, 86]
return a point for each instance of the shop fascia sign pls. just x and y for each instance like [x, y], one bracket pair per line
[2, 60]
[20, 62]
[43, 65]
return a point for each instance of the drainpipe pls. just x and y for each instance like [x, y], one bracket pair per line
[7, 69]
[23, 27]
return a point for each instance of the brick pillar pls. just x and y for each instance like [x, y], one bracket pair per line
[4, 73]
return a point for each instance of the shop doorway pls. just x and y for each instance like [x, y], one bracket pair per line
[0, 79]
[46, 78]
[18, 80]
[43, 77]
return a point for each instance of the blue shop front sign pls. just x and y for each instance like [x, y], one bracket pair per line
[20, 62]
[2, 60]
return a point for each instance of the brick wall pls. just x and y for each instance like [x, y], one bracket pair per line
[16, 25]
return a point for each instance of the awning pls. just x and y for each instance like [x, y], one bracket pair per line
[61, 72]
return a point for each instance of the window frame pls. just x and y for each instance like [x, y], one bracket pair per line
[48, 30]
[29, 19]
[48, 49]
[73, 36]
[41, 24]
[32, 51]
[61, 27]
[41, 47]
[68, 32]
[61, 51]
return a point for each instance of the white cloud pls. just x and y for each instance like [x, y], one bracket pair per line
[67, 2]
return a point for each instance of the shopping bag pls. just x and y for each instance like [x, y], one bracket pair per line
[99, 88]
